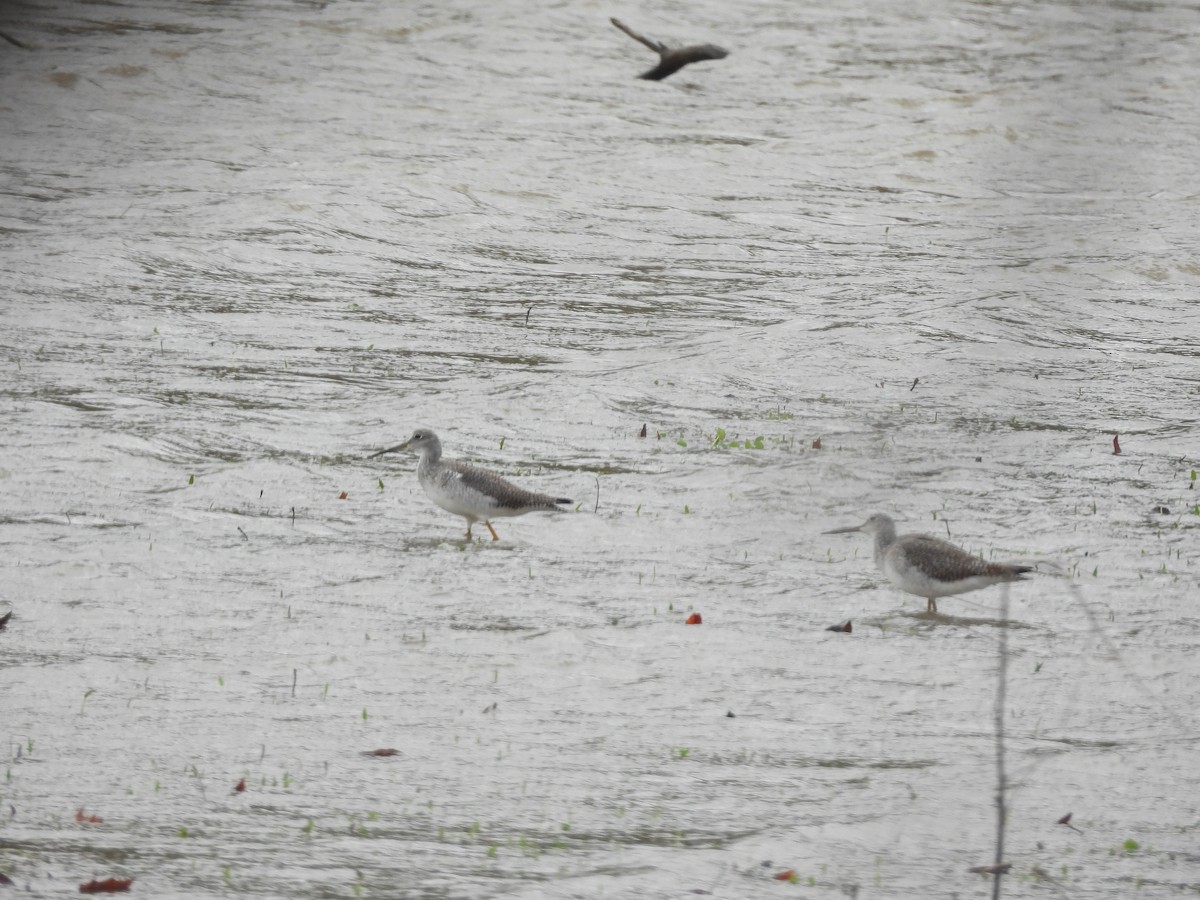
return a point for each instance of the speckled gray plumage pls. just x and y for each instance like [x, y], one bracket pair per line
[930, 567]
[469, 491]
[944, 562]
[504, 494]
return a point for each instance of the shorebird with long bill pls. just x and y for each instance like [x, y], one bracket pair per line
[930, 567]
[469, 491]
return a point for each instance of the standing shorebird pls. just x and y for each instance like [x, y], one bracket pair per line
[929, 567]
[473, 493]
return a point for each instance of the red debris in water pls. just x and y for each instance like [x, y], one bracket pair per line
[343, 495]
[4, 620]
[786, 875]
[4, 879]
[107, 886]
[817, 444]
[385, 751]
[240, 786]
[847, 627]
[84, 819]
[694, 619]
[1116, 445]
[642, 433]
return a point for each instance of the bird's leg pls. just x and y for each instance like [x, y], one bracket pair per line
[495, 537]
[469, 530]
[931, 606]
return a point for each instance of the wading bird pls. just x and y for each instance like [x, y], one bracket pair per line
[473, 493]
[929, 567]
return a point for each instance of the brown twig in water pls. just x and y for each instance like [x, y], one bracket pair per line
[671, 61]
[1066, 820]
[990, 870]
[12, 40]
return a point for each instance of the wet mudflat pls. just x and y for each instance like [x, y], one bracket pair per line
[246, 245]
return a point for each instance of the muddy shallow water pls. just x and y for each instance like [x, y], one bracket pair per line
[248, 244]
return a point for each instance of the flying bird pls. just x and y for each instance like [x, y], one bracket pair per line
[671, 60]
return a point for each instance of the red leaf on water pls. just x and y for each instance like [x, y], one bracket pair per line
[1116, 445]
[4, 879]
[1065, 820]
[240, 786]
[786, 875]
[343, 495]
[107, 886]
[642, 433]
[817, 444]
[385, 751]
[84, 819]
[847, 627]
[694, 619]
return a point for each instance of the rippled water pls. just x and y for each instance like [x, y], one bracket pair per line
[246, 244]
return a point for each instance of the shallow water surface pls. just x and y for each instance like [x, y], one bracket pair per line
[923, 259]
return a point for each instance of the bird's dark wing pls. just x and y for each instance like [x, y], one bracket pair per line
[506, 494]
[672, 61]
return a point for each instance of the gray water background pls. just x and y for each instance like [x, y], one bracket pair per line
[245, 244]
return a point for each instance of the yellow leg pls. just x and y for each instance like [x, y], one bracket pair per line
[495, 537]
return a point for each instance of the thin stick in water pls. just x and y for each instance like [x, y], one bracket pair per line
[1001, 779]
[12, 40]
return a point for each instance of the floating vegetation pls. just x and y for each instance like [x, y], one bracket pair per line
[722, 439]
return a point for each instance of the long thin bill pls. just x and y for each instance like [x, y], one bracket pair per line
[389, 450]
